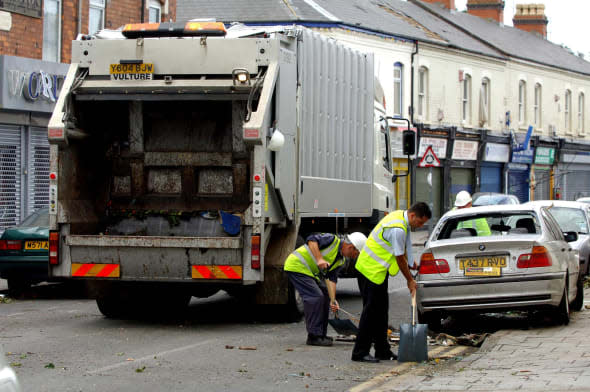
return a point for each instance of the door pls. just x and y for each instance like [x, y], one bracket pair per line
[518, 184]
[10, 175]
[461, 180]
[37, 169]
[491, 177]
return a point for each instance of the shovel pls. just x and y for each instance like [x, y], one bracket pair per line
[344, 326]
[413, 346]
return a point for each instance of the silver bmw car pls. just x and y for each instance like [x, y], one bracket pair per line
[498, 258]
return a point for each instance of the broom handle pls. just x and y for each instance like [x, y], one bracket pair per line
[414, 308]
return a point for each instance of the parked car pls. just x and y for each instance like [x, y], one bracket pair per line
[24, 252]
[492, 198]
[584, 200]
[8, 380]
[526, 263]
[573, 216]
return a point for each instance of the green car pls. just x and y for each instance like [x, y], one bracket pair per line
[24, 252]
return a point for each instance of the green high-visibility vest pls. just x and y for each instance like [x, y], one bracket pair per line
[377, 257]
[481, 226]
[303, 261]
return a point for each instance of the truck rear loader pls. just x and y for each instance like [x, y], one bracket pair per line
[188, 159]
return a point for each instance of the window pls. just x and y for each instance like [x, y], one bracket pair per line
[51, 30]
[522, 102]
[398, 105]
[581, 114]
[422, 92]
[96, 16]
[466, 109]
[568, 111]
[484, 102]
[538, 106]
[155, 11]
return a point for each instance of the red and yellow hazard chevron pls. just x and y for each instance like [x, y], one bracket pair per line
[217, 272]
[96, 270]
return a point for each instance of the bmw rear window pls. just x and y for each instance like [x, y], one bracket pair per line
[493, 224]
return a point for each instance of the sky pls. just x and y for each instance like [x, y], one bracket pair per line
[568, 21]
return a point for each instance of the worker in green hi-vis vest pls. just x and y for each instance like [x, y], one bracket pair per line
[463, 200]
[387, 251]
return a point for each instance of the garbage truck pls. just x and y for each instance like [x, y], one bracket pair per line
[190, 158]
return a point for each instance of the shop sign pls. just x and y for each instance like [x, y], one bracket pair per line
[439, 146]
[496, 152]
[522, 156]
[24, 7]
[578, 157]
[465, 150]
[545, 155]
[30, 84]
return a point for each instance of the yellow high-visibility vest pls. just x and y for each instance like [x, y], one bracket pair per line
[303, 261]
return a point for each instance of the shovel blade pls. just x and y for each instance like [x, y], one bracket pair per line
[343, 326]
[413, 344]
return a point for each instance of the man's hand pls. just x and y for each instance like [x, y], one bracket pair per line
[334, 306]
[412, 286]
[323, 264]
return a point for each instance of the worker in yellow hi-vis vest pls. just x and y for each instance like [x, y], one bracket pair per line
[388, 250]
[313, 271]
[463, 200]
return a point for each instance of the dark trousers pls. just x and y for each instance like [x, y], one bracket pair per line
[373, 322]
[316, 302]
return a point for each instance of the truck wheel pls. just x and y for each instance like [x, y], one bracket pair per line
[16, 286]
[578, 302]
[294, 311]
[111, 307]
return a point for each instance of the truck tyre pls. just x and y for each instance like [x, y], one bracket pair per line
[17, 287]
[578, 302]
[111, 307]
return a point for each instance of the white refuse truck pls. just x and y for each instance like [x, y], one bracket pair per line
[188, 159]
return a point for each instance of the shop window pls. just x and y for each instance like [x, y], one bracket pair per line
[155, 11]
[423, 93]
[522, 103]
[538, 106]
[398, 104]
[581, 128]
[51, 30]
[466, 100]
[484, 103]
[96, 16]
[568, 111]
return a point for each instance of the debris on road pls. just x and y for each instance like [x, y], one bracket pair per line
[228, 347]
[472, 339]
[50, 366]
[247, 348]
[140, 370]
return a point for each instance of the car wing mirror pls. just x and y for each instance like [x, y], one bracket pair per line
[570, 236]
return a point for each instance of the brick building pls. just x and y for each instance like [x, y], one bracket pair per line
[35, 46]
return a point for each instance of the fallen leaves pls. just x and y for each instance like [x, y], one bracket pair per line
[50, 366]
[140, 370]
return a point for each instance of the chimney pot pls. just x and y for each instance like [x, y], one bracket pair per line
[448, 4]
[531, 18]
[487, 9]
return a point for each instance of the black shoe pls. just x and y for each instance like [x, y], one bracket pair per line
[313, 340]
[367, 358]
[387, 357]
[329, 338]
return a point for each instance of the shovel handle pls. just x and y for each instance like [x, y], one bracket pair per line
[414, 308]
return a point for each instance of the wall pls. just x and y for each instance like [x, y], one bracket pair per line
[25, 37]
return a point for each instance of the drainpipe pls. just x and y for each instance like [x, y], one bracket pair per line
[79, 17]
[415, 52]
[142, 10]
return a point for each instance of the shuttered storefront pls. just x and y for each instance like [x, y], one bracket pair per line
[518, 181]
[575, 181]
[10, 176]
[542, 182]
[38, 169]
[461, 180]
[491, 177]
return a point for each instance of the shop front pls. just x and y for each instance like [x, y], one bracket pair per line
[29, 89]
[518, 174]
[573, 175]
[495, 156]
[542, 173]
[462, 168]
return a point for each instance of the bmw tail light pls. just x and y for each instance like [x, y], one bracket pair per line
[430, 265]
[255, 253]
[539, 257]
[53, 247]
[10, 245]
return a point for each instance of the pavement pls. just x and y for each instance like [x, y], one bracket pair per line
[547, 358]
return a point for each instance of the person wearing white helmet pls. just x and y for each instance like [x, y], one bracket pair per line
[313, 271]
[463, 200]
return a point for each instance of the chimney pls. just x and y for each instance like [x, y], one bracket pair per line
[531, 18]
[487, 9]
[448, 4]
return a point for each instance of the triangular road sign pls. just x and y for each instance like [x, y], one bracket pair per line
[429, 159]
